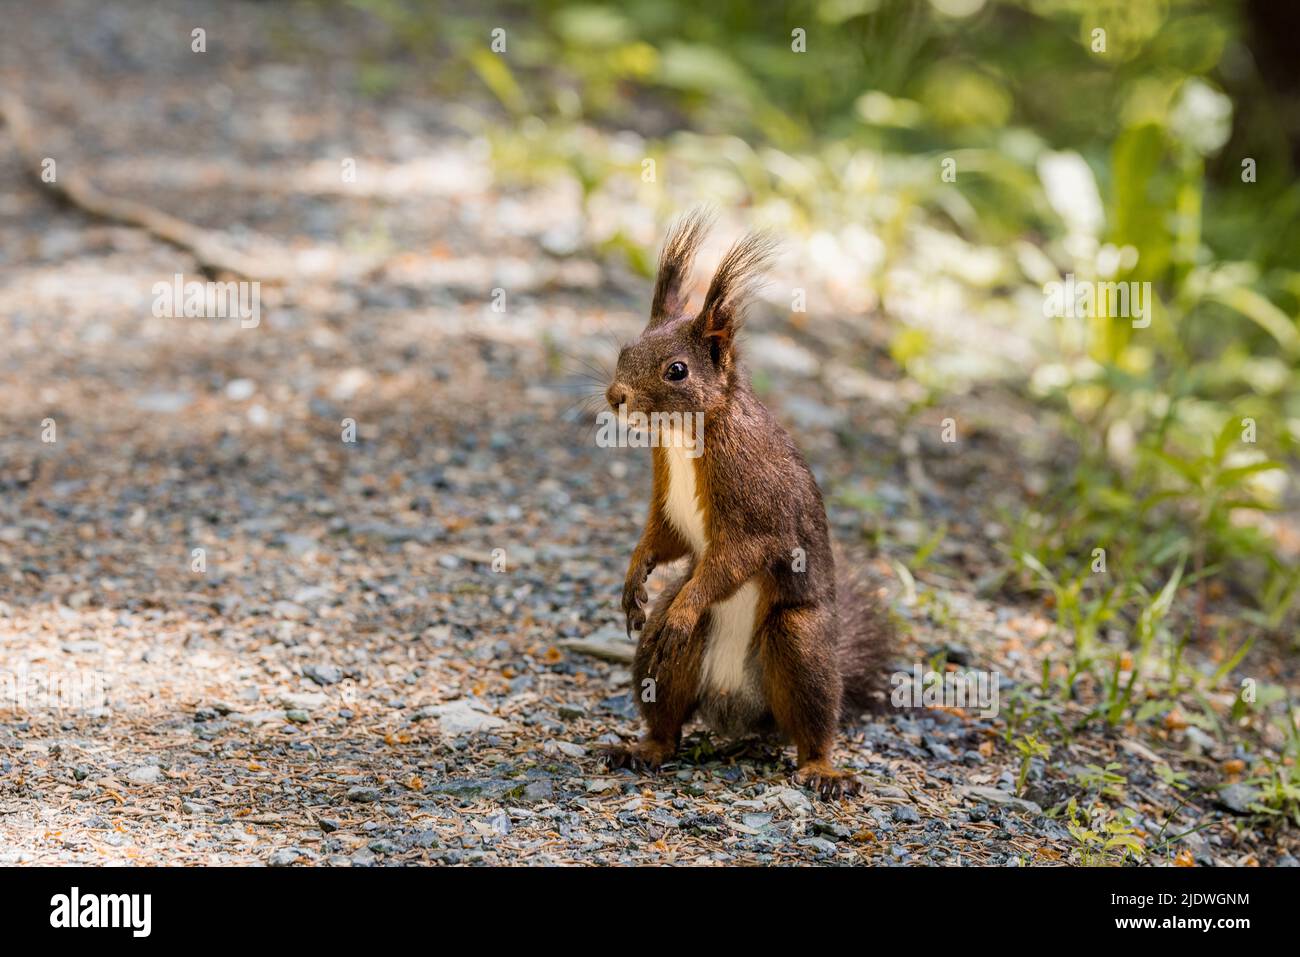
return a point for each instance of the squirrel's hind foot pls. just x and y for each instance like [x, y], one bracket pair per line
[828, 783]
[641, 756]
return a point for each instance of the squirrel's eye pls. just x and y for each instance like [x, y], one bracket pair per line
[675, 372]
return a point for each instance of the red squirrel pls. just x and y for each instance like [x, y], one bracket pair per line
[760, 634]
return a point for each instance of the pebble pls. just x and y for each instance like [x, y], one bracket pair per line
[148, 774]
[832, 829]
[998, 796]
[462, 717]
[819, 844]
[323, 674]
[1238, 798]
[284, 856]
[789, 798]
[302, 701]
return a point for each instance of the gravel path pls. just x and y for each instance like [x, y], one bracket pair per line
[296, 649]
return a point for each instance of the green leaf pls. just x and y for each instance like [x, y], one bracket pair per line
[1230, 477]
[1263, 313]
[497, 77]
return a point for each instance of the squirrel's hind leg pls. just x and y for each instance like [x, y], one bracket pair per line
[802, 683]
[667, 699]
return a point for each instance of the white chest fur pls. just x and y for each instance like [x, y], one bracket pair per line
[680, 502]
[733, 618]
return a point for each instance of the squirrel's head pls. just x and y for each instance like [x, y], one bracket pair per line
[683, 361]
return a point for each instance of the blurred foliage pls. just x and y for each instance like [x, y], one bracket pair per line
[1145, 153]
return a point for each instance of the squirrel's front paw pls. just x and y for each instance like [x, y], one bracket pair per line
[634, 600]
[666, 642]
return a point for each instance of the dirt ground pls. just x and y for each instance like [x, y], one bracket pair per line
[292, 648]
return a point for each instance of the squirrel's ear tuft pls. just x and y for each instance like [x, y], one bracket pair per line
[739, 275]
[672, 288]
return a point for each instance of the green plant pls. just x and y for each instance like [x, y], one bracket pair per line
[1106, 840]
[1102, 780]
[1280, 787]
[1029, 747]
[1150, 625]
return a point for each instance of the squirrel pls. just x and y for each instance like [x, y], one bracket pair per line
[761, 633]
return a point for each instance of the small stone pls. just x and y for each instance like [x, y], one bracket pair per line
[789, 798]
[284, 857]
[938, 748]
[1238, 798]
[1199, 741]
[461, 717]
[998, 796]
[311, 594]
[323, 674]
[148, 774]
[609, 643]
[81, 647]
[289, 609]
[301, 701]
[364, 795]
[539, 791]
[237, 390]
[567, 748]
[163, 402]
[906, 813]
[832, 830]
[954, 654]
[819, 844]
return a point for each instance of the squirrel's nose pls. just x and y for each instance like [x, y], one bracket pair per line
[618, 394]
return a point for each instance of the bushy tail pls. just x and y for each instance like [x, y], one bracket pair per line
[867, 641]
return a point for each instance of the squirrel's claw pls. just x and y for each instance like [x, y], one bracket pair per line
[634, 601]
[635, 621]
[641, 756]
[826, 782]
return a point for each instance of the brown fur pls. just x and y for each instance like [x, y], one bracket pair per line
[820, 638]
